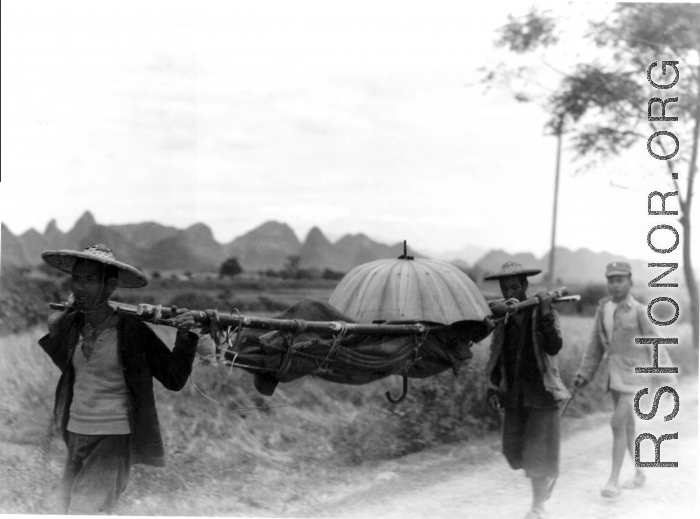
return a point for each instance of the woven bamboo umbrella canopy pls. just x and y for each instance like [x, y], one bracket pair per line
[409, 289]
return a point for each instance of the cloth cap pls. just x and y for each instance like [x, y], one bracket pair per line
[63, 260]
[512, 268]
[618, 268]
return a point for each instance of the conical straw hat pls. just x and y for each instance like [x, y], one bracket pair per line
[63, 260]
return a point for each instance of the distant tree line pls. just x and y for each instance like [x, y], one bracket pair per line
[292, 270]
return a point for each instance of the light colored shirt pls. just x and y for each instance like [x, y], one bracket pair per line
[609, 317]
[100, 402]
[624, 327]
[617, 325]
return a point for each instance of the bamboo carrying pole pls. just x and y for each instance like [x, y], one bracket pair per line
[501, 308]
[162, 315]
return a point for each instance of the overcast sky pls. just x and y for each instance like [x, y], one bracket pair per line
[350, 116]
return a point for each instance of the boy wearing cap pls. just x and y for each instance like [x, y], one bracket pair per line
[619, 319]
[105, 407]
[523, 378]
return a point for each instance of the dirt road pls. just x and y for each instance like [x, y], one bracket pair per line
[490, 489]
[467, 480]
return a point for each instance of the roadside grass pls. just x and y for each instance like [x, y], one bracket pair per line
[29, 465]
[263, 462]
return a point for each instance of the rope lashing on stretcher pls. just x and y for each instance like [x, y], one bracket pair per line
[216, 333]
[231, 407]
[157, 314]
[287, 356]
[418, 341]
[234, 347]
[512, 308]
[333, 351]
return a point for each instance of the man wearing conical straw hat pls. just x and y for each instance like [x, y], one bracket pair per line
[523, 379]
[105, 407]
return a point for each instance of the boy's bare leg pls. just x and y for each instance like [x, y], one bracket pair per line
[639, 477]
[622, 415]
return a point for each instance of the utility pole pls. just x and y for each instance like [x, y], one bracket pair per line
[552, 249]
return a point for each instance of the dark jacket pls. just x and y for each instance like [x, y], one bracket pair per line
[546, 335]
[144, 356]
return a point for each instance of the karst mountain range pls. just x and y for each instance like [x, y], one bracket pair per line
[152, 246]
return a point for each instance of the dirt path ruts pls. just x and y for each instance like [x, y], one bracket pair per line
[493, 490]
